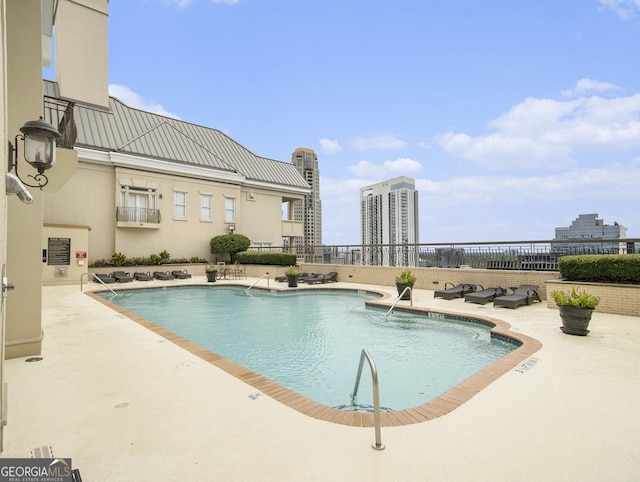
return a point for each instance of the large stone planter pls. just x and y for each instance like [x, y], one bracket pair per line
[211, 276]
[575, 319]
[292, 281]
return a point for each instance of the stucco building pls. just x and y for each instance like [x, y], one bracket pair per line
[125, 180]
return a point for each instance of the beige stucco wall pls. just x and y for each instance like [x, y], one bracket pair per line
[3, 204]
[24, 228]
[92, 195]
[78, 237]
[81, 54]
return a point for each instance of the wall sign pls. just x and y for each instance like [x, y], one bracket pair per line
[59, 251]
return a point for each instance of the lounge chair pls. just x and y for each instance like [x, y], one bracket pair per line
[140, 276]
[323, 278]
[163, 275]
[484, 296]
[523, 295]
[105, 278]
[121, 276]
[181, 274]
[451, 291]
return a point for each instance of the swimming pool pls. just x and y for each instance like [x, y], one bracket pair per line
[310, 340]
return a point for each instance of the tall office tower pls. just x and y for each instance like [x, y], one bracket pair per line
[309, 211]
[590, 227]
[389, 215]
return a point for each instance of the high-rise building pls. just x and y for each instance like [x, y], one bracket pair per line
[590, 227]
[309, 210]
[389, 215]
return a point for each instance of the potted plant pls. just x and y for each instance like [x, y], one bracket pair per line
[404, 280]
[576, 308]
[292, 275]
[212, 272]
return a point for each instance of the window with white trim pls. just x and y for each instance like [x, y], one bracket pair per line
[179, 204]
[229, 210]
[206, 207]
[137, 204]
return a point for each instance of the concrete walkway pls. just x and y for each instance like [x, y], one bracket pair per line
[127, 405]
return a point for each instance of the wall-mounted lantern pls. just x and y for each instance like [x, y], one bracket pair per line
[39, 151]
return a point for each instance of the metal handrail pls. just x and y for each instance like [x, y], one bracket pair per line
[378, 445]
[399, 298]
[99, 280]
[257, 281]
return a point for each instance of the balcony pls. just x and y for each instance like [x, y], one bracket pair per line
[138, 218]
[59, 113]
[292, 228]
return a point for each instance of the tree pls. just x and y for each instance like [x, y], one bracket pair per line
[229, 243]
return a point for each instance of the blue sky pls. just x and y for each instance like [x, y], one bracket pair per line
[514, 117]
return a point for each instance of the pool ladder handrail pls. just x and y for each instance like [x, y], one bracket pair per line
[258, 281]
[99, 280]
[399, 298]
[377, 445]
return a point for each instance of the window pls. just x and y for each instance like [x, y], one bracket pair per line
[229, 210]
[206, 204]
[180, 204]
[138, 204]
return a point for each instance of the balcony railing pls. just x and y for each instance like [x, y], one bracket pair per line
[517, 255]
[59, 113]
[137, 215]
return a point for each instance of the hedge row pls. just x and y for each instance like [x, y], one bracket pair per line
[605, 268]
[266, 257]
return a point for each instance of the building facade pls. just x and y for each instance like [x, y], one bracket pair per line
[149, 183]
[125, 181]
[590, 227]
[389, 216]
[309, 211]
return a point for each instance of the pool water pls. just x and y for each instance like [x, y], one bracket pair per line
[310, 341]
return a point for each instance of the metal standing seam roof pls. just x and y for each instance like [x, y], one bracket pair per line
[132, 131]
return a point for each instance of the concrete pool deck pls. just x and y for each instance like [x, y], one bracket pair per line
[126, 404]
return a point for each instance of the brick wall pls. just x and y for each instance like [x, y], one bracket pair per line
[436, 278]
[620, 299]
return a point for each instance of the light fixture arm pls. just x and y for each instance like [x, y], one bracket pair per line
[39, 138]
[41, 179]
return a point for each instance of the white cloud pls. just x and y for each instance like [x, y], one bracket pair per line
[136, 101]
[385, 141]
[626, 9]
[550, 134]
[589, 85]
[330, 146]
[398, 167]
[475, 208]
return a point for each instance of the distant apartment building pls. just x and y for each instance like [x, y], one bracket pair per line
[590, 227]
[310, 210]
[389, 216]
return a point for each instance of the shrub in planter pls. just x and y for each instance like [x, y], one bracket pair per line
[576, 308]
[404, 279]
[292, 275]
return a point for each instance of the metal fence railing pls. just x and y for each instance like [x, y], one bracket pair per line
[138, 215]
[520, 255]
